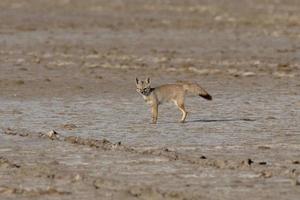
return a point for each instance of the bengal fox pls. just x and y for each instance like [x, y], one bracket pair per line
[169, 92]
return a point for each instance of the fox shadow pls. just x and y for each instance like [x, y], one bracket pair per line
[211, 120]
[220, 120]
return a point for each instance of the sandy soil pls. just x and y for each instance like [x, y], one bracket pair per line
[70, 66]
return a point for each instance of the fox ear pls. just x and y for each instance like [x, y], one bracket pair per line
[136, 80]
[148, 80]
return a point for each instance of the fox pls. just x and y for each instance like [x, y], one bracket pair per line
[175, 92]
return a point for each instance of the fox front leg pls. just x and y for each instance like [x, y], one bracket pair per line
[154, 110]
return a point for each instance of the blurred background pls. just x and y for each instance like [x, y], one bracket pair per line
[58, 43]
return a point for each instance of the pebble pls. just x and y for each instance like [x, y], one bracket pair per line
[247, 74]
[266, 174]
[53, 135]
[262, 163]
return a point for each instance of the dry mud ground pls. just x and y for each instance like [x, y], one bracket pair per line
[70, 66]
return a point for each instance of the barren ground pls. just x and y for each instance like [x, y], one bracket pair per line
[70, 66]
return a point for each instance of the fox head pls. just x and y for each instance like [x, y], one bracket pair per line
[143, 87]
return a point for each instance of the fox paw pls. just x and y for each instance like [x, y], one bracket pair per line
[153, 122]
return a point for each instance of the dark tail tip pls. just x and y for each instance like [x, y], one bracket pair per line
[206, 96]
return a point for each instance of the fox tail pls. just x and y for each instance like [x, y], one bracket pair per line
[195, 89]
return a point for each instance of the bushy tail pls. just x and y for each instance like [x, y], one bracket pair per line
[195, 89]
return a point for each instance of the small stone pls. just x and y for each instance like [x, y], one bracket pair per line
[262, 163]
[263, 147]
[135, 191]
[283, 74]
[9, 131]
[247, 162]
[69, 126]
[51, 176]
[20, 61]
[250, 161]
[266, 174]
[71, 139]
[247, 74]
[271, 117]
[53, 135]
[20, 82]
[221, 164]
[98, 183]
[37, 60]
[77, 177]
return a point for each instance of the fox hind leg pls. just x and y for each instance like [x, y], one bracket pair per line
[180, 105]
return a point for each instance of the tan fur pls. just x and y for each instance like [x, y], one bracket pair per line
[169, 93]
